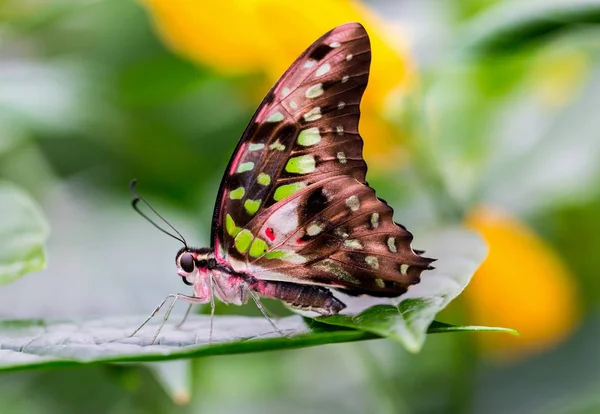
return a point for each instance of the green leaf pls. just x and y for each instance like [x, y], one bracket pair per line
[516, 24]
[402, 323]
[23, 231]
[39, 344]
[441, 327]
[159, 79]
[26, 344]
[459, 253]
[176, 379]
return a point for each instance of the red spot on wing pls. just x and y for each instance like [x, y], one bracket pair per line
[270, 233]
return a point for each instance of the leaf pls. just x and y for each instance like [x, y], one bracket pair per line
[37, 344]
[459, 253]
[176, 379]
[399, 323]
[511, 25]
[23, 231]
[26, 344]
[441, 327]
[158, 79]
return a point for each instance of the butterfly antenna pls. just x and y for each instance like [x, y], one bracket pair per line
[134, 203]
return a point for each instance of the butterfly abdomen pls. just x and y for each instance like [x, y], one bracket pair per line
[305, 297]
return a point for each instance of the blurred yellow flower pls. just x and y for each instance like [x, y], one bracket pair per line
[239, 36]
[522, 285]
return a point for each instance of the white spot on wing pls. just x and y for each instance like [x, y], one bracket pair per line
[345, 78]
[391, 242]
[309, 64]
[340, 130]
[323, 69]
[314, 91]
[353, 244]
[283, 221]
[341, 156]
[349, 57]
[341, 105]
[372, 262]
[375, 220]
[313, 114]
[285, 92]
[255, 147]
[334, 45]
[275, 117]
[314, 229]
[353, 202]
[277, 146]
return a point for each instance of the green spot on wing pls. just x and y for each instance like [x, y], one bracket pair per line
[258, 248]
[252, 206]
[277, 146]
[255, 147]
[232, 229]
[286, 256]
[243, 240]
[247, 166]
[263, 179]
[276, 254]
[303, 164]
[287, 190]
[237, 193]
[308, 137]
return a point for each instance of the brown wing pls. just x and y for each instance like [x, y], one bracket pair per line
[294, 205]
[337, 233]
[306, 124]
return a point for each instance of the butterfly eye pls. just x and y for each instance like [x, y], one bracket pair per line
[187, 262]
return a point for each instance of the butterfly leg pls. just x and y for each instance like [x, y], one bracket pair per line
[212, 308]
[305, 297]
[262, 310]
[187, 313]
[186, 298]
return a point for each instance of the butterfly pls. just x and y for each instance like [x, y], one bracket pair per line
[294, 218]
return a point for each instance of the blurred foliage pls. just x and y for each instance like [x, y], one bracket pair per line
[23, 230]
[90, 97]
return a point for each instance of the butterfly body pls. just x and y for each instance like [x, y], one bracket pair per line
[200, 269]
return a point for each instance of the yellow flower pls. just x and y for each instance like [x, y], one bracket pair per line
[239, 36]
[522, 285]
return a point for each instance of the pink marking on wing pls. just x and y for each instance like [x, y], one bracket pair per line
[218, 256]
[241, 151]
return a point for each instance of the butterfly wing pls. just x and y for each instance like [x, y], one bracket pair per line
[296, 182]
[336, 233]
